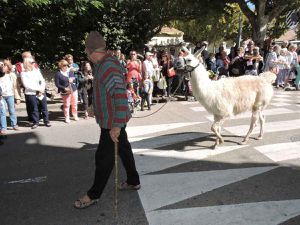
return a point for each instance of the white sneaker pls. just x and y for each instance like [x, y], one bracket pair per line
[67, 120]
[76, 118]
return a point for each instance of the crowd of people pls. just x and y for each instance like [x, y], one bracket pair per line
[153, 74]
[249, 59]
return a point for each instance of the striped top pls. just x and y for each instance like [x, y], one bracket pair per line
[110, 96]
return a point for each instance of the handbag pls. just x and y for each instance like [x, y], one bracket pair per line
[156, 75]
[171, 72]
[68, 90]
[162, 84]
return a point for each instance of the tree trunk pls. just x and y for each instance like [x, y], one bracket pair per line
[259, 30]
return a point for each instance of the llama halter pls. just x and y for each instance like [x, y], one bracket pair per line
[188, 68]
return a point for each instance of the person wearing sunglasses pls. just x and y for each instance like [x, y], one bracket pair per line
[34, 84]
[66, 83]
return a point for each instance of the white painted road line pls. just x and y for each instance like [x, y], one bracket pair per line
[28, 180]
[281, 151]
[280, 104]
[258, 213]
[267, 112]
[164, 189]
[269, 127]
[284, 100]
[198, 109]
[190, 103]
[152, 129]
[158, 141]
[155, 160]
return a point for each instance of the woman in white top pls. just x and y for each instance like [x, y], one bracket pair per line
[8, 84]
[284, 66]
[271, 61]
[34, 85]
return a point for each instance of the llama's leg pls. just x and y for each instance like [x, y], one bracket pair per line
[254, 119]
[262, 120]
[216, 128]
[220, 130]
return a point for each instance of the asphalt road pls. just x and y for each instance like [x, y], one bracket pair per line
[43, 171]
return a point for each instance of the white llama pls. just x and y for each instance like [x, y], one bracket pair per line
[230, 96]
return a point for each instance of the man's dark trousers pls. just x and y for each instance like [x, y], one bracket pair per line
[105, 162]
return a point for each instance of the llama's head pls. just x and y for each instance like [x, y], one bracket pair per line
[189, 62]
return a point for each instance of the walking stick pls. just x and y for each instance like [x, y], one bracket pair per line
[116, 184]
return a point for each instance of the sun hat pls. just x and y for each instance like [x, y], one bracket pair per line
[95, 41]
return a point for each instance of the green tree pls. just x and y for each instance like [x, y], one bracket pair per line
[216, 27]
[261, 13]
[48, 28]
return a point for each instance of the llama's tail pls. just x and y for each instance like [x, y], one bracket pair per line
[268, 76]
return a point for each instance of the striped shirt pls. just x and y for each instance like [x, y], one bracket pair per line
[109, 92]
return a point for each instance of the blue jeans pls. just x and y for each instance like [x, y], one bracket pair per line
[10, 101]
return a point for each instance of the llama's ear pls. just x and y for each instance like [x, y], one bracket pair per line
[196, 54]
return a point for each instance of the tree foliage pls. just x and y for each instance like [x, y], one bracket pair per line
[52, 28]
[264, 15]
[220, 26]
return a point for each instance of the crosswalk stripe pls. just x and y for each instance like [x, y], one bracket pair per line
[285, 100]
[135, 131]
[267, 112]
[269, 127]
[281, 96]
[258, 213]
[190, 103]
[165, 189]
[279, 104]
[198, 109]
[148, 160]
[281, 151]
[152, 142]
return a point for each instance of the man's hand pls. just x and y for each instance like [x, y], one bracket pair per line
[115, 133]
[18, 101]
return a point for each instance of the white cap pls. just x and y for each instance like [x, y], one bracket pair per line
[148, 54]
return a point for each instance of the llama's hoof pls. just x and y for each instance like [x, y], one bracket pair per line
[259, 138]
[221, 141]
[215, 146]
[243, 142]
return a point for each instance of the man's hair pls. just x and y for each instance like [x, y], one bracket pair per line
[67, 56]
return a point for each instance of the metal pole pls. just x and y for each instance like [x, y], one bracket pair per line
[240, 31]
[116, 184]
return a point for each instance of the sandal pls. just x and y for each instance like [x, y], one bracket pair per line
[82, 203]
[127, 187]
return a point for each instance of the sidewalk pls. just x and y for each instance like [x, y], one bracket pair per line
[52, 105]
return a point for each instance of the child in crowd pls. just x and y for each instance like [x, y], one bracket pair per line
[133, 99]
[147, 86]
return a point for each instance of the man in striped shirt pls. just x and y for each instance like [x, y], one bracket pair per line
[112, 114]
